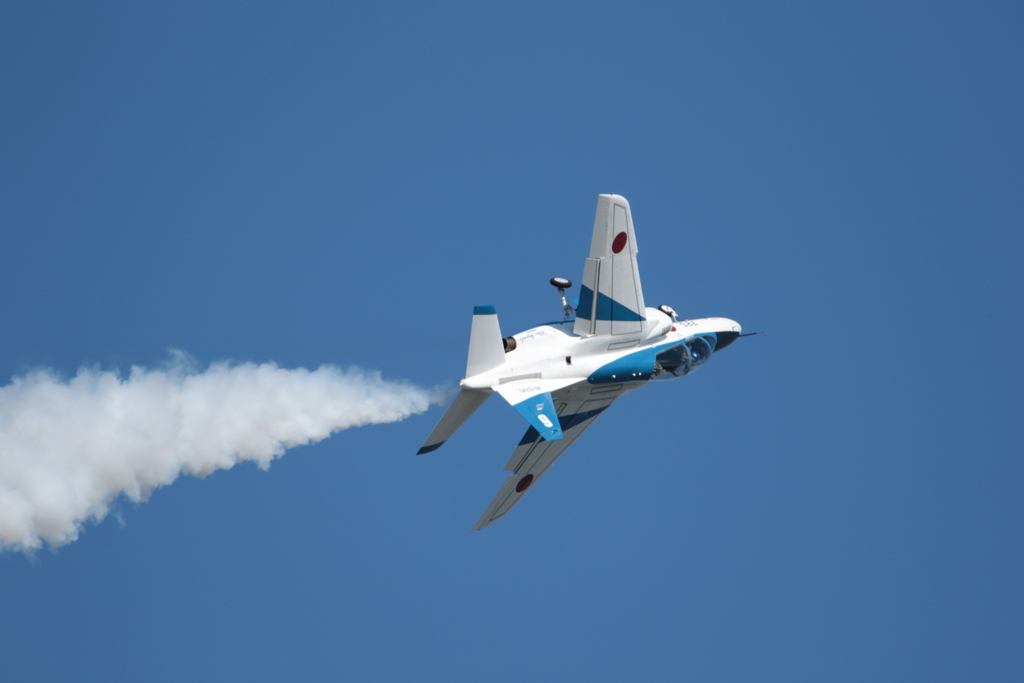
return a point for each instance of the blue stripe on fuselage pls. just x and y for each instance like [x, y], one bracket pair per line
[636, 366]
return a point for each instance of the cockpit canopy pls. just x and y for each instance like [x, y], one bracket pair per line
[683, 358]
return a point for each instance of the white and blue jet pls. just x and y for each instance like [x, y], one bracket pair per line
[561, 376]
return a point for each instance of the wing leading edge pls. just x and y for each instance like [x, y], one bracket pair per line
[534, 455]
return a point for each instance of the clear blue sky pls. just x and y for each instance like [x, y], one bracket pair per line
[839, 499]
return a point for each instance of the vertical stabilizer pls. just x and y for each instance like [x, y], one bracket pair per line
[611, 299]
[486, 351]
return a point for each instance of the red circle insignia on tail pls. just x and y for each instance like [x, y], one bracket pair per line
[619, 243]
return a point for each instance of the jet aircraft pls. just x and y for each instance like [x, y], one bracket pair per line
[561, 376]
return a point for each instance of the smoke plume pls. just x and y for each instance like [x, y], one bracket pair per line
[69, 448]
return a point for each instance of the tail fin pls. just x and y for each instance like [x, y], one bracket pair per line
[611, 299]
[486, 351]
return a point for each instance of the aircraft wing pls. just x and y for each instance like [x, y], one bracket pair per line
[534, 455]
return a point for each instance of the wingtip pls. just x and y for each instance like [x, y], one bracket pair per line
[482, 522]
[429, 449]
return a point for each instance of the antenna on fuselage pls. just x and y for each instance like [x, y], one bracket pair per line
[562, 284]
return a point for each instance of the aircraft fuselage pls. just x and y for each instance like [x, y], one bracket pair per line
[553, 352]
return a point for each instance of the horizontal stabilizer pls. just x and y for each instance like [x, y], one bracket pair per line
[464, 405]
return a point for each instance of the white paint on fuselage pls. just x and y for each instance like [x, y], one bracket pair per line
[541, 351]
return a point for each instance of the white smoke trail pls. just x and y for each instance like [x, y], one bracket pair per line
[69, 448]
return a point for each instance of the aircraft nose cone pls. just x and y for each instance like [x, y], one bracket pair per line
[728, 336]
[725, 338]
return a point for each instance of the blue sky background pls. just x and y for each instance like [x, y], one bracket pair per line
[839, 499]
